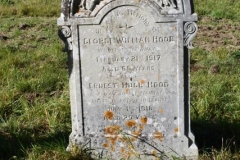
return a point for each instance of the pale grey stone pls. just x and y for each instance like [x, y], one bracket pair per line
[129, 76]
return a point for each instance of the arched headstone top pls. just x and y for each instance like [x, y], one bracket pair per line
[90, 9]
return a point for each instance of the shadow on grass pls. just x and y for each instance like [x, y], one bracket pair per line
[216, 135]
[209, 135]
[13, 146]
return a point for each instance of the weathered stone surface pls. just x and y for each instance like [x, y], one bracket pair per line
[129, 76]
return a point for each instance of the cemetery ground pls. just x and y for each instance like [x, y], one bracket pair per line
[34, 96]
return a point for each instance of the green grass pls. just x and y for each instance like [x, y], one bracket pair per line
[38, 8]
[215, 99]
[218, 9]
[34, 101]
[34, 95]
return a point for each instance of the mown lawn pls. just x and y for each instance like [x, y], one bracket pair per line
[34, 95]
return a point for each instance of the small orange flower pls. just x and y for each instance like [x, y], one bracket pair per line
[105, 145]
[142, 81]
[176, 129]
[113, 139]
[158, 135]
[160, 110]
[154, 152]
[112, 148]
[131, 123]
[140, 127]
[132, 139]
[127, 90]
[112, 129]
[144, 120]
[109, 130]
[136, 133]
[122, 150]
[108, 115]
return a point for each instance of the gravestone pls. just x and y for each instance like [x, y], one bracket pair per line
[129, 76]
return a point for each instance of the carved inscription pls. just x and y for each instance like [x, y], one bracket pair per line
[128, 85]
[129, 49]
[128, 59]
[127, 70]
[127, 40]
[130, 101]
